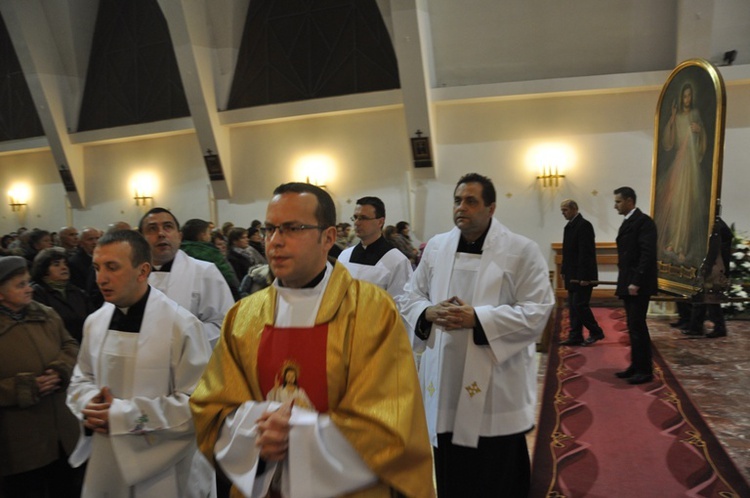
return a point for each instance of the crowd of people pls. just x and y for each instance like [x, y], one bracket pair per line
[294, 357]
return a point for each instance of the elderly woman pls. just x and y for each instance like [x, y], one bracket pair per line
[52, 287]
[37, 355]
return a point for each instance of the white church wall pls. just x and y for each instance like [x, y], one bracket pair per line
[174, 164]
[46, 202]
[353, 155]
[611, 136]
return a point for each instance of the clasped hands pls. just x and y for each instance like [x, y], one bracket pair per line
[451, 314]
[96, 413]
[48, 382]
[273, 432]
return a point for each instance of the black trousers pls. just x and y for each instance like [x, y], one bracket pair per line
[580, 313]
[499, 466]
[55, 480]
[715, 314]
[636, 308]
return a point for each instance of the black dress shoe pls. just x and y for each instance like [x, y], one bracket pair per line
[640, 379]
[679, 324]
[625, 374]
[572, 342]
[592, 339]
[717, 333]
[693, 333]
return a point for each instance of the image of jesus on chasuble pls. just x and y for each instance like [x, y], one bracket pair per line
[288, 389]
[687, 170]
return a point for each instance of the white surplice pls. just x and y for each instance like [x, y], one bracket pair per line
[150, 450]
[322, 462]
[199, 287]
[390, 273]
[472, 390]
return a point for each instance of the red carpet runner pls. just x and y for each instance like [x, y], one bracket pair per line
[598, 436]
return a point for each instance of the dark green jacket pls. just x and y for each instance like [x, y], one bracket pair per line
[206, 251]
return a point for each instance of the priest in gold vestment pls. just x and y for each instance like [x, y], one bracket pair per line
[341, 342]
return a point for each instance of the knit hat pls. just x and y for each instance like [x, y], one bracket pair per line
[10, 264]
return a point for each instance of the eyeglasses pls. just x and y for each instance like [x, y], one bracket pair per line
[362, 218]
[287, 229]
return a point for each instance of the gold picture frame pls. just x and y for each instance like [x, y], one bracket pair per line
[687, 164]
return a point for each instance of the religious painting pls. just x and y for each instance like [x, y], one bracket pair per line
[420, 150]
[213, 166]
[287, 388]
[67, 179]
[688, 147]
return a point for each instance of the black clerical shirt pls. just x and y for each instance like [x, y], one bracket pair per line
[131, 320]
[371, 254]
[166, 267]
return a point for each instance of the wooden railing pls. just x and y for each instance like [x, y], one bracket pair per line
[606, 255]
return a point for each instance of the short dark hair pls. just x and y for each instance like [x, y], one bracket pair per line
[157, 210]
[325, 214]
[193, 228]
[488, 189]
[140, 248]
[37, 235]
[217, 234]
[401, 225]
[374, 202]
[44, 260]
[235, 234]
[626, 193]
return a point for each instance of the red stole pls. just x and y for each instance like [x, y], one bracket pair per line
[297, 354]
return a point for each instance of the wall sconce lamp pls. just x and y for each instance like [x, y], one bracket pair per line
[18, 197]
[141, 198]
[16, 205]
[314, 182]
[549, 177]
[143, 185]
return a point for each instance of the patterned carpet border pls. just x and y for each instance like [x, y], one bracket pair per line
[719, 477]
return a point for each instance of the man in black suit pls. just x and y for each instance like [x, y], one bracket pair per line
[579, 264]
[636, 281]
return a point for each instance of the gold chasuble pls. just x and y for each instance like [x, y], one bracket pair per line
[373, 394]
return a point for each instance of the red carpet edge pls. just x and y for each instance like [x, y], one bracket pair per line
[599, 436]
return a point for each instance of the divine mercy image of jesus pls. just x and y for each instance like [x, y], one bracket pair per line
[686, 174]
[286, 387]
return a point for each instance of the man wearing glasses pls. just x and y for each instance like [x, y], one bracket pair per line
[345, 343]
[375, 259]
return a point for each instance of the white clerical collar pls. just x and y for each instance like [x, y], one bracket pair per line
[306, 290]
[299, 307]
